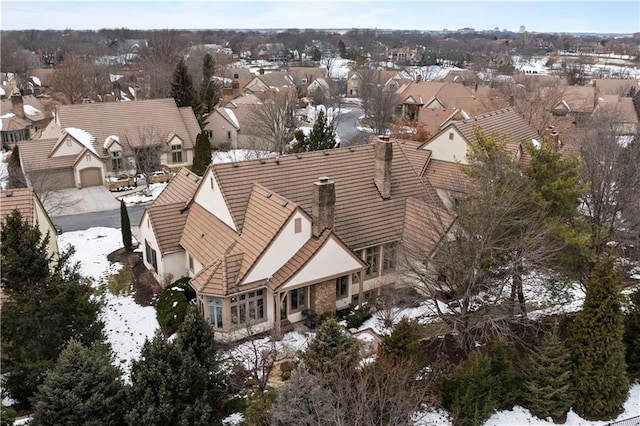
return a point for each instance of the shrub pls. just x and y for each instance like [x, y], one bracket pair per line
[471, 398]
[173, 304]
[121, 283]
[358, 316]
[326, 315]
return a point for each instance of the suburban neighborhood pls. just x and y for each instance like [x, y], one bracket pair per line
[320, 227]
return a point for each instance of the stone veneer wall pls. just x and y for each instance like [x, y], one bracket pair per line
[323, 297]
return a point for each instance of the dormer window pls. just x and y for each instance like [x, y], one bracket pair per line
[303, 81]
[176, 153]
[116, 160]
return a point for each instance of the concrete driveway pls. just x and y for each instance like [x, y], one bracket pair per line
[73, 201]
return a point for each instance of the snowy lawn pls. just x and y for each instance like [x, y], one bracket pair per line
[128, 325]
[146, 195]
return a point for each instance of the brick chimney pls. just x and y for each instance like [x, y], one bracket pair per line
[382, 173]
[324, 205]
[17, 105]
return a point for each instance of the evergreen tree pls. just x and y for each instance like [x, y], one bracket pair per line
[403, 342]
[125, 224]
[48, 303]
[209, 89]
[598, 349]
[195, 336]
[632, 336]
[14, 169]
[331, 351]
[504, 374]
[548, 386]
[169, 386]
[83, 388]
[322, 136]
[342, 49]
[182, 89]
[201, 154]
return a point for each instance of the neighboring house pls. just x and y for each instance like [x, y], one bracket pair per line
[418, 95]
[611, 86]
[389, 80]
[272, 52]
[133, 45]
[162, 225]
[626, 118]
[278, 81]
[303, 77]
[228, 126]
[577, 102]
[266, 239]
[20, 118]
[448, 149]
[233, 80]
[88, 143]
[26, 201]
[466, 77]
[404, 55]
[319, 88]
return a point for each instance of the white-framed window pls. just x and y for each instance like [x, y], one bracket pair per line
[214, 305]
[303, 81]
[176, 153]
[298, 299]
[342, 287]
[116, 160]
[247, 307]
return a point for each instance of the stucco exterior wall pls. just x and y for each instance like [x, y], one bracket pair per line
[444, 148]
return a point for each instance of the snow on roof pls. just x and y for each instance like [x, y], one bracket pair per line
[108, 140]
[124, 96]
[8, 115]
[132, 91]
[114, 77]
[233, 117]
[535, 143]
[82, 136]
[566, 105]
[2, 92]
[36, 80]
[30, 110]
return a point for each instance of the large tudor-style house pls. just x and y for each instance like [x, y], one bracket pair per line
[86, 144]
[264, 240]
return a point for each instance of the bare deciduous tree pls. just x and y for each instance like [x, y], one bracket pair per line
[69, 78]
[273, 122]
[160, 59]
[611, 173]
[146, 143]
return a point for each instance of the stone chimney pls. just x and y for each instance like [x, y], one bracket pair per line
[324, 205]
[17, 105]
[137, 92]
[382, 173]
[117, 90]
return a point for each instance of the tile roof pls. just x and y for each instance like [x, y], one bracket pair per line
[423, 92]
[180, 189]
[33, 108]
[505, 122]
[446, 175]
[21, 199]
[362, 217]
[128, 119]
[168, 222]
[623, 107]
[424, 227]
[577, 99]
[613, 86]
[35, 155]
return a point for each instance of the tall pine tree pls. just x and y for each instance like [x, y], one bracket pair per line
[548, 385]
[209, 89]
[322, 136]
[83, 388]
[125, 224]
[48, 303]
[632, 335]
[598, 349]
[201, 154]
[403, 342]
[182, 89]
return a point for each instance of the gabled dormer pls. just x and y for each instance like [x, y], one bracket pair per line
[73, 141]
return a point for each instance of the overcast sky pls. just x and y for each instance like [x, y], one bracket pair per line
[536, 16]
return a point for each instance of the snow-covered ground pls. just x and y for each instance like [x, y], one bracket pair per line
[128, 325]
[148, 194]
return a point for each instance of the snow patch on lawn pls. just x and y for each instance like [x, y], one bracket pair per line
[146, 195]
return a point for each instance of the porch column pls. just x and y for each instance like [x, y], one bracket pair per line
[278, 325]
[360, 287]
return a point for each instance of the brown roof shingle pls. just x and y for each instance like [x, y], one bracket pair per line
[18, 199]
